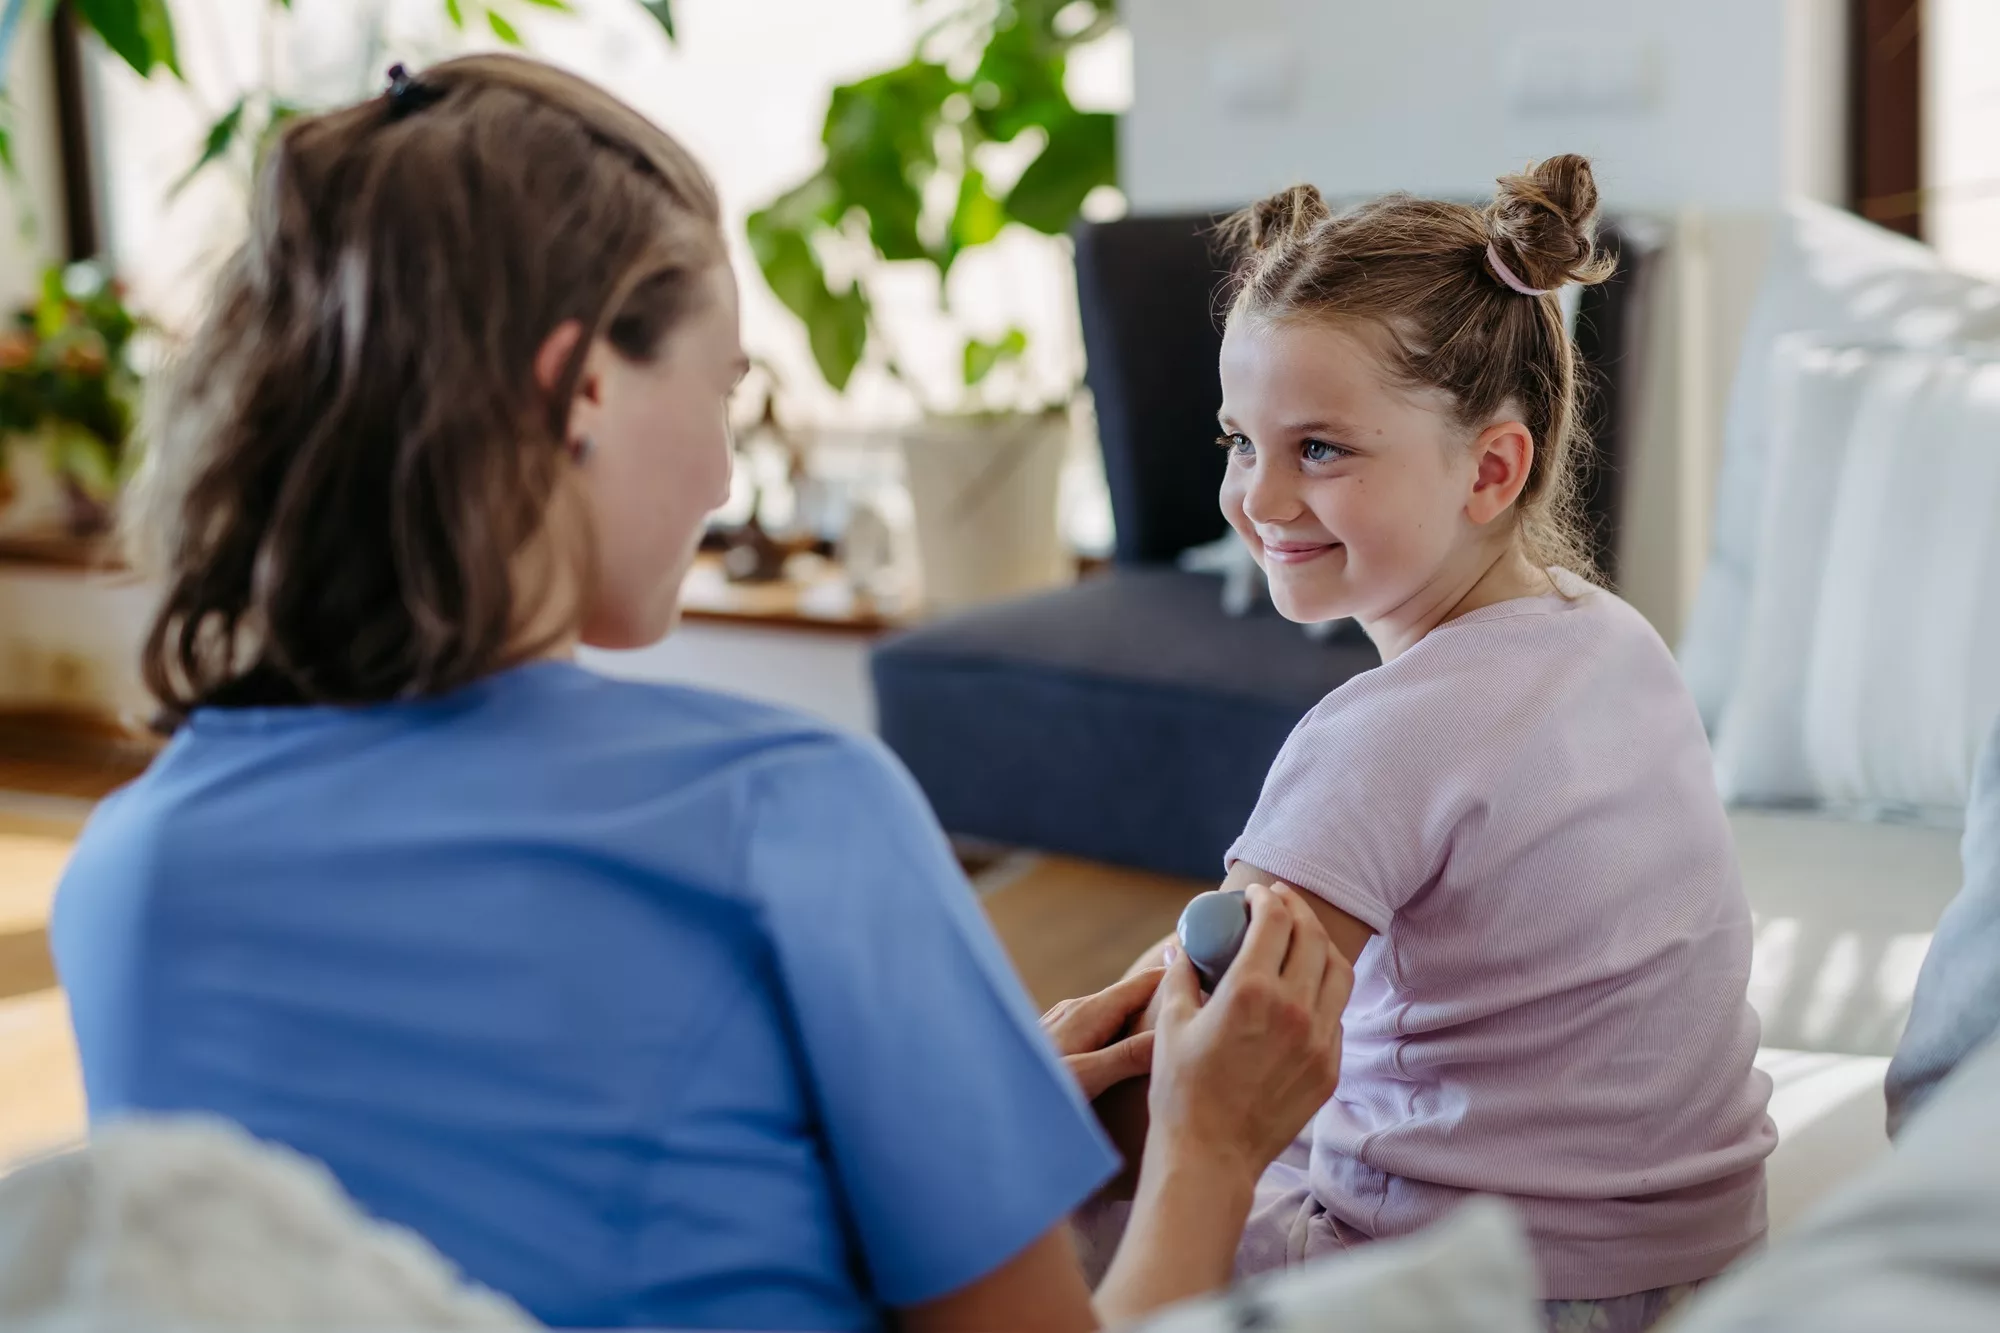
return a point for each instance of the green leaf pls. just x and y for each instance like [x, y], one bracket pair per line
[1019, 81]
[7, 163]
[52, 310]
[982, 357]
[1082, 154]
[157, 23]
[220, 136]
[816, 200]
[663, 14]
[78, 454]
[836, 324]
[120, 26]
[502, 29]
[978, 218]
[838, 332]
[788, 263]
[880, 137]
[455, 13]
[563, 6]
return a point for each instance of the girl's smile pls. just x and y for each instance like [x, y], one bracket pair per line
[1294, 552]
[1357, 495]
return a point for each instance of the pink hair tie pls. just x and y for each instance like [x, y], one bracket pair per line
[1506, 275]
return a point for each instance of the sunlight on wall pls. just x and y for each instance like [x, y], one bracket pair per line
[1962, 132]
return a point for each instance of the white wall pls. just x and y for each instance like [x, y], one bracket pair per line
[1961, 168]
[1706, 114]
[816, 671]
[1712, 104]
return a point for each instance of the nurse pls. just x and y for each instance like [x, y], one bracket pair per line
[648, 1006]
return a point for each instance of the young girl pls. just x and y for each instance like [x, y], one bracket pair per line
[647, 1006]
[1511, 824]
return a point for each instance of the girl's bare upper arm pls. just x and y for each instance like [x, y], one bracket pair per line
[1347, 933]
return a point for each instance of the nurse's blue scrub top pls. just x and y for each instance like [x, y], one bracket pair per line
[645, 1005]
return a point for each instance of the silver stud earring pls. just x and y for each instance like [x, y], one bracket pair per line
[579, 449]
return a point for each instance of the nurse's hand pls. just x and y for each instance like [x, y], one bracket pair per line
[1087, 1033]
[1234, 1081]
[1238, 1077]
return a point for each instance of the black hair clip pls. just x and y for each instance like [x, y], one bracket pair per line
[406, 94]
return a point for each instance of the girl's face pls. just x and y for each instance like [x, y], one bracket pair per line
[657, 463]
[1351, 491]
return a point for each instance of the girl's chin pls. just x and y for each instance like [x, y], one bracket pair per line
[1311, 611]
[1307, 599]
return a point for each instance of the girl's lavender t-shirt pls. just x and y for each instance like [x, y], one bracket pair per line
[1554, 1006]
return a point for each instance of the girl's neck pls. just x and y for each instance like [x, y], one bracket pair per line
[1457, 590]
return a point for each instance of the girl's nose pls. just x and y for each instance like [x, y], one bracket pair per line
[1270, 497]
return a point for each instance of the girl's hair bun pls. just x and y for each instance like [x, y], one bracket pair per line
[1288, 215]
[1544, 224]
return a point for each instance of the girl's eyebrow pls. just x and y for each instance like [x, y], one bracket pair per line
[1300, 428]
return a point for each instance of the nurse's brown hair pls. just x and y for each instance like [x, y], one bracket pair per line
[351, 467]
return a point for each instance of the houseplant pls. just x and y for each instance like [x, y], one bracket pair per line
[903, 181]
[68, 396]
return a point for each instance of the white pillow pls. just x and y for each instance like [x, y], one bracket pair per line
[1913, 1243]
[1815, 394]
[1904, 675]
[1869, 661]
[187, 1222]
[1831, 273]
[1470, 1273]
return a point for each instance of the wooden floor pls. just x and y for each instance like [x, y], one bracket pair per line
[67, 755]
[41, 1090]
[1073, 927]
[1070, 926]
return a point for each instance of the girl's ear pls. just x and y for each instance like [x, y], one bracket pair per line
[1502, 456]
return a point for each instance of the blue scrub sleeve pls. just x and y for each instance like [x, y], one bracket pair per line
[956, 1133]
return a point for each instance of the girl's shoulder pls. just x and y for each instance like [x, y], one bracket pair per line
[1530, 663]
[1576, 624]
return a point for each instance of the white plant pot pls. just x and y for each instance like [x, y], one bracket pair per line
[984, 491]
[34, 503]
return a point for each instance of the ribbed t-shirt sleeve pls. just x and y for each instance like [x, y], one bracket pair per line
[956, 1133]
[1360, 804]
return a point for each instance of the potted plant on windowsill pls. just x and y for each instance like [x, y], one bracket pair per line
[68, 399]
[902, 183]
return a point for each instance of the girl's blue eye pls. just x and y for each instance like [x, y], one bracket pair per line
[1319, 451]
[1236, 444]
